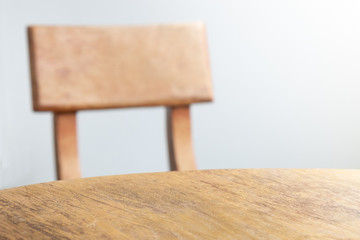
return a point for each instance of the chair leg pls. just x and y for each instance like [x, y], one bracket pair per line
[67, 161]
[180, 146]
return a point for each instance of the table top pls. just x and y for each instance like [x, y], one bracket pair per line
[211, 204]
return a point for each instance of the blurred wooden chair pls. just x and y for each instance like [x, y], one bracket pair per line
[80, 68]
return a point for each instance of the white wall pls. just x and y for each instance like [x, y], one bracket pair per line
[286, 77]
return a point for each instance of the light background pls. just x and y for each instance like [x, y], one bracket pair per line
[286, 78]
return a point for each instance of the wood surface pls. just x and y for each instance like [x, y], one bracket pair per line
[180, 146]
[66, 151]
[261, 204]
[75, 68]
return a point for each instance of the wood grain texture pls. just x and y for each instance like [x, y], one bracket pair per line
[268, 204]
[67, 159]
[77, 68]
[180, 146]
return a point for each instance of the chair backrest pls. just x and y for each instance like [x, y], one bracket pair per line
[78, 68]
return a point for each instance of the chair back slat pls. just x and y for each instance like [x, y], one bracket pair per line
[76, 68]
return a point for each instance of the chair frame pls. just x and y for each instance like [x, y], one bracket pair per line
[46, 74]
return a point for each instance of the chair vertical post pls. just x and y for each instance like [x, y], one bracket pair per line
[67, 160]
[181, 154]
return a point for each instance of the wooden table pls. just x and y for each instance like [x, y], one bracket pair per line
[212, 204]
